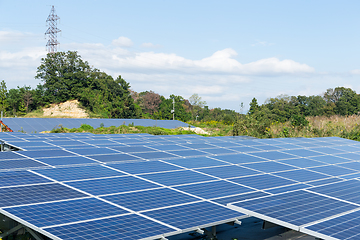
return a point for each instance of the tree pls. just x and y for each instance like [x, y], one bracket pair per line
[3, 96]
[195, 100]
[64, 75]
[253, 106]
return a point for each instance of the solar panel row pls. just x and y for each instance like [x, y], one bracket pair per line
[166, 181]
[36, 125]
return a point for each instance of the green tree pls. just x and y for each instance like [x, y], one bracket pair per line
[254, 106]
[3, 96]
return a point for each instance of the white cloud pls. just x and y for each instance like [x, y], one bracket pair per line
[150, 45]
[355, 72]
[220, 78]
[122, 42]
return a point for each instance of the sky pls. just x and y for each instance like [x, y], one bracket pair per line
[227, 52]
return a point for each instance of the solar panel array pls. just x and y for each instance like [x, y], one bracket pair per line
[36, 125]
[140, 186]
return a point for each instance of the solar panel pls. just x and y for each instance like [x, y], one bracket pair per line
[165, 181]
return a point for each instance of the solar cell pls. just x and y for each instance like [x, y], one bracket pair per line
[228, 171]
[274, 155]
[327, 150]
[10, 155]
[218, 151]
[239, 158]
[330, 159]
[47, 153]
[288, 188]
[15, 178]
[341, 227]
[150, 199]
[187, 216]
[78, 173]
[20, 164]
[121, 227]
[269, 167]
[242, 197]
[55, 213]
[302, 175]
[59, 161]
[12, 196]
[263, 181]
[112, 185]
[345, 190]
[113, 157]
[155, 155]
[302, 162]
[333, 170]
[196, 162]
[178, 177]
[296, 208]
[93, 151]
[144, 167]
[214, 189]
[189, 153]
[302, 152]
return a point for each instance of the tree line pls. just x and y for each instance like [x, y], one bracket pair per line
[65, 76]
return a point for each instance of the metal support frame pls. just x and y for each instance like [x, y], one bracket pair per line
[34, 234]
[211, 234]
[19, 227]
[14, 229]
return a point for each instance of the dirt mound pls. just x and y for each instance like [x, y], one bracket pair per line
[66, 109]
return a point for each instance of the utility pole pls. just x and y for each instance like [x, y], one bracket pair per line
[52, 31]
[173, 110]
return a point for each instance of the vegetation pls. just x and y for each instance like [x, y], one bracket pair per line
[65, 76]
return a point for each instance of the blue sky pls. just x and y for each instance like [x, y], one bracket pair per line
[226, 51]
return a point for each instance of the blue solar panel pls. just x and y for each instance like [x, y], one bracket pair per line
[218, 151]
[150, 199]
[78, 173]
[239, 158]
[15, 178]
[47, 153]
[273, 155]
[302, 162]
[297, 208]
[114, 157]
[302, 152]
[321, 169]
[345, 190]
[20, 164]
[269, 167]
[136, 149]
[112, 185]
[154, 155]
[327, 150]
[196, 162]
[93, 151]
[188, 216]
[55, 213]
[13, 196]
[144, 167]
[229, 171]
[302, 175]
[242, 197]
[214, 189]
[288, 188]
[122, 227]
[333, 170]
[10, 155]
[263, 181]
[329, 159]
[341, 227]
[59, 161]
[178, 177]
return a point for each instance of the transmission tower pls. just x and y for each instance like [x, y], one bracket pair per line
[52, 31]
